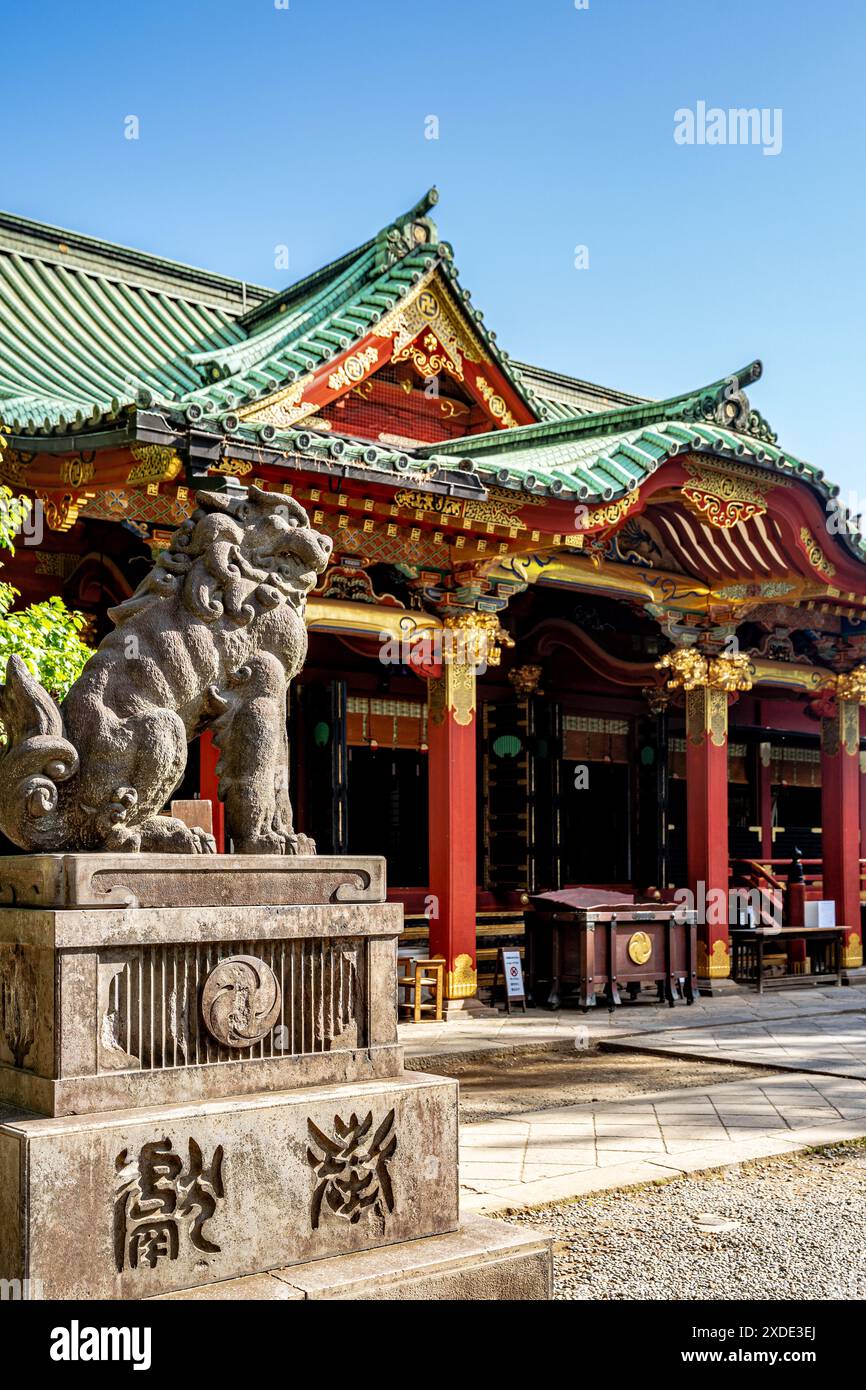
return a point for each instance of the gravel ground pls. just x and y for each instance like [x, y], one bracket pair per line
[785, 1228]
[495, 1085]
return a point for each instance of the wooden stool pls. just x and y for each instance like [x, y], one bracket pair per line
[423, 974]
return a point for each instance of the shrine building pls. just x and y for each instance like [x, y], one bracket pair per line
[570, 635]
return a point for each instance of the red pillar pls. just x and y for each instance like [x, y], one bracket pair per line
[840, 820]
[452, 828]
[208, 755]
[707, 834]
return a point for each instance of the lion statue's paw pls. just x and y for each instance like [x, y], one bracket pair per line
[300, 844]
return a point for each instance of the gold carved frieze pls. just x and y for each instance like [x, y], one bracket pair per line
[285, 408]
[725, 498]
[154, 463]
[611, 513]
[415, 500]
[495, 511]
[429, 306]
[462, 981]
[815, 555]
[353, 369]
[715, 964]
[495, 404]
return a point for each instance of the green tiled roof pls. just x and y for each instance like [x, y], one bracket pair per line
[563, 397]
[603, 454]
[606, 466]
[86, 326]
[321, 317]
[87, 329]
[599, 457]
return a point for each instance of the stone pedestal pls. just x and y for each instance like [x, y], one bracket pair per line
[202, 1095]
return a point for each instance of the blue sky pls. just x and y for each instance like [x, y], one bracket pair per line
[262, 126]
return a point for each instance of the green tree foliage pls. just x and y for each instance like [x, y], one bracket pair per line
[45, 635]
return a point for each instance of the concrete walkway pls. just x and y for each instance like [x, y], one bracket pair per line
[815, 1039]
[557, 1154]
[833, 1044]
[570, 1027]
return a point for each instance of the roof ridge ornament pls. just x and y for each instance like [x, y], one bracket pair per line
[726, 403]
[411, 230]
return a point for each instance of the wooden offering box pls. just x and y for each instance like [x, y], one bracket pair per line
[589, 949]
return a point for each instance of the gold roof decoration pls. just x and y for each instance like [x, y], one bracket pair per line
[851, 685]
[690, 670]
[525, 680]
[725, 498]
[480, 636]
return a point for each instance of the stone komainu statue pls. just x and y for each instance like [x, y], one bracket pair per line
[209, 640]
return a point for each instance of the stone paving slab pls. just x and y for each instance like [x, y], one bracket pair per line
[832, 1044]
[539, 1028]
[555, 1155]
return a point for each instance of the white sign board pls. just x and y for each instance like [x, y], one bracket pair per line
[820, 914]
[513, 974]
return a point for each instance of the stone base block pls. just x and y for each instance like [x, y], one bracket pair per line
[137, 1203]
[188, 880]
[483, 1261]
[111, 1007]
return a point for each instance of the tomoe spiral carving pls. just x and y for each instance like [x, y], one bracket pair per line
[240, 1001]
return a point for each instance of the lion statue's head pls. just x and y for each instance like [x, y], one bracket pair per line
[232, 552]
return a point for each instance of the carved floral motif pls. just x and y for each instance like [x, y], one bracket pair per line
[815, 555]
[353, 369]
[495, 404]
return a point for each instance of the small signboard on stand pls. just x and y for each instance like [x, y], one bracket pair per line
[511, 968]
